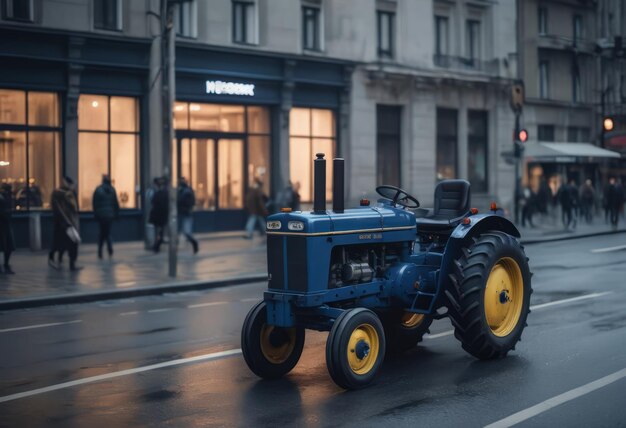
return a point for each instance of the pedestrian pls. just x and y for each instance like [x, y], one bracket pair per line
[159, 213]
[528, 206]
[256, 206]
[106, 210]
[7, 243]
[587, 198]
[65, 219]
[605, 201]
[186, 200]
[614, 200]
[568, 197]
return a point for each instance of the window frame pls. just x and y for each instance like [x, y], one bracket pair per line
[108, 132]
[316, 19]
[192, 31]
[544, 129]
[243, 7]
[386, 53]
[542, 20]
[384, 111]
[474, 41]
[544, 80]
[438, 20]
[576, 86]
[474, 139]
[118, 18]
[447, 139]
[578, 30]
[27, 129]
[7, 17]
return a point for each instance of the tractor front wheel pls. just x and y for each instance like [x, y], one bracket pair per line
[355, 348]
[489, 296]
[269, 351]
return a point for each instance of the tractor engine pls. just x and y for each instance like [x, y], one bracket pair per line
[354, 264]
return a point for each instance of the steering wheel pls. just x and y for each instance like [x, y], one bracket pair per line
[397, 196]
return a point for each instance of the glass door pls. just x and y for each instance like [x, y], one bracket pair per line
[230, 173]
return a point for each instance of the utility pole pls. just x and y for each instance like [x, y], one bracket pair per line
[168, 39]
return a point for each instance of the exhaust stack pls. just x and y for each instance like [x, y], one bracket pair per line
[338, 185]
[319, 184]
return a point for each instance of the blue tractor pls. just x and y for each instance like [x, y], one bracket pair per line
[376, 276]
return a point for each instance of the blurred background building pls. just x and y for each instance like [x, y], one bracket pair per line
[409, 92]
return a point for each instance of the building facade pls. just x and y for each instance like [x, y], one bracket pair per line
[408, 92]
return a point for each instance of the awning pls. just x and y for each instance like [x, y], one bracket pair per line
[567, 152]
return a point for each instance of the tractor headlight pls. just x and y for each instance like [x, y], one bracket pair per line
[295, 225]
[273, 225]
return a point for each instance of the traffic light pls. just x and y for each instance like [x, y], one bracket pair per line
[607, 124]
[522, 136]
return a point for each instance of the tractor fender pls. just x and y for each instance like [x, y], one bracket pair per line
[461, 238]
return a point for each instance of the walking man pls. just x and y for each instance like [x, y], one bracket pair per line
[587, 198]
[614, 200]
[255, 204]
[7, 244]
[159, 213]
[186, 200]
[65, 224]
[106, 209]
[568, 197]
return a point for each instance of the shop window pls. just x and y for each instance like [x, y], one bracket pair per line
[386, 34]
[477, 150]
[213, 117]
[446, 144]
[30, 146]
[108, 143]
[545, 132]
[185, 19]
[244, 22]
[18, 10]
[311, 28]
[107, 14]
[311, 131]
[388, 145]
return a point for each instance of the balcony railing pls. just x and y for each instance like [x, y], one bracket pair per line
[462, 63]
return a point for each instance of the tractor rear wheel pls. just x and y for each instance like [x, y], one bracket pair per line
[489, 297]
[404, 330]
[355, 348]
[269, 351]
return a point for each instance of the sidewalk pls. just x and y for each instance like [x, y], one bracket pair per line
[224, 259]
[543, 232]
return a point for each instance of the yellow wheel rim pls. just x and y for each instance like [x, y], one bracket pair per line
[277, 348]
[363, 349]
[504, 297]
[410, 320]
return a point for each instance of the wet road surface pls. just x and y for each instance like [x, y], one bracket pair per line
[175, 360]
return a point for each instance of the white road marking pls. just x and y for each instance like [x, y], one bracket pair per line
[98, 378]
[606, 250]
[124, 314]
[532, 308]
[28, 327]
[204, 305]
[550, 403]
[152, 311]
[250, 299]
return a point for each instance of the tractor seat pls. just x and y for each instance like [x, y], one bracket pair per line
[452, 203]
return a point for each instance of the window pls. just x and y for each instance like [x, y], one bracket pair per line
[441, 35]
[108, 143]
[477, 150]
[216, 167]
[18, 10]
[544, 76]
[446, 143]
[30, 137]
[545, 132]
[107, 14]
[385, 34]
[578, 28]
[244, 22]
[311, 37]
[542, 20]
[473, 42]
[578, 134]
[311, 131]
[388, 145]
[185, 19]
[576, 86]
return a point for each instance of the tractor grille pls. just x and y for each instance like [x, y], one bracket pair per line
[292, 251]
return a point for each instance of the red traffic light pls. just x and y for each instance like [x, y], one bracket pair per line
[522, 136]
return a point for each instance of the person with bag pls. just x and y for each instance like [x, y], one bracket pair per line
[105, 209]
[66, 236]
[7, 244]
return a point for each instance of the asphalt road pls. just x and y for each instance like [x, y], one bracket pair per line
[175, 360]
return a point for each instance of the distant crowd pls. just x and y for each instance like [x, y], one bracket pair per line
[576, 203]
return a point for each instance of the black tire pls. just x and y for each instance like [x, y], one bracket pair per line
[362, 329]
[402, 334]
[270, 352]
[482, 333]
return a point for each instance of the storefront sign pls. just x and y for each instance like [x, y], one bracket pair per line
[218, 87]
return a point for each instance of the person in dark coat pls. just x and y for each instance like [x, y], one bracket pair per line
[159, 213]
[7, 244]
[528, 206]
[614, 200]
[255, 204]
[568, 197]
[587, 198]
[65, 217]
[186, 200]
[106, 209]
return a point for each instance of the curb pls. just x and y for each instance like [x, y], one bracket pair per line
[92, 296]
[568, 237]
